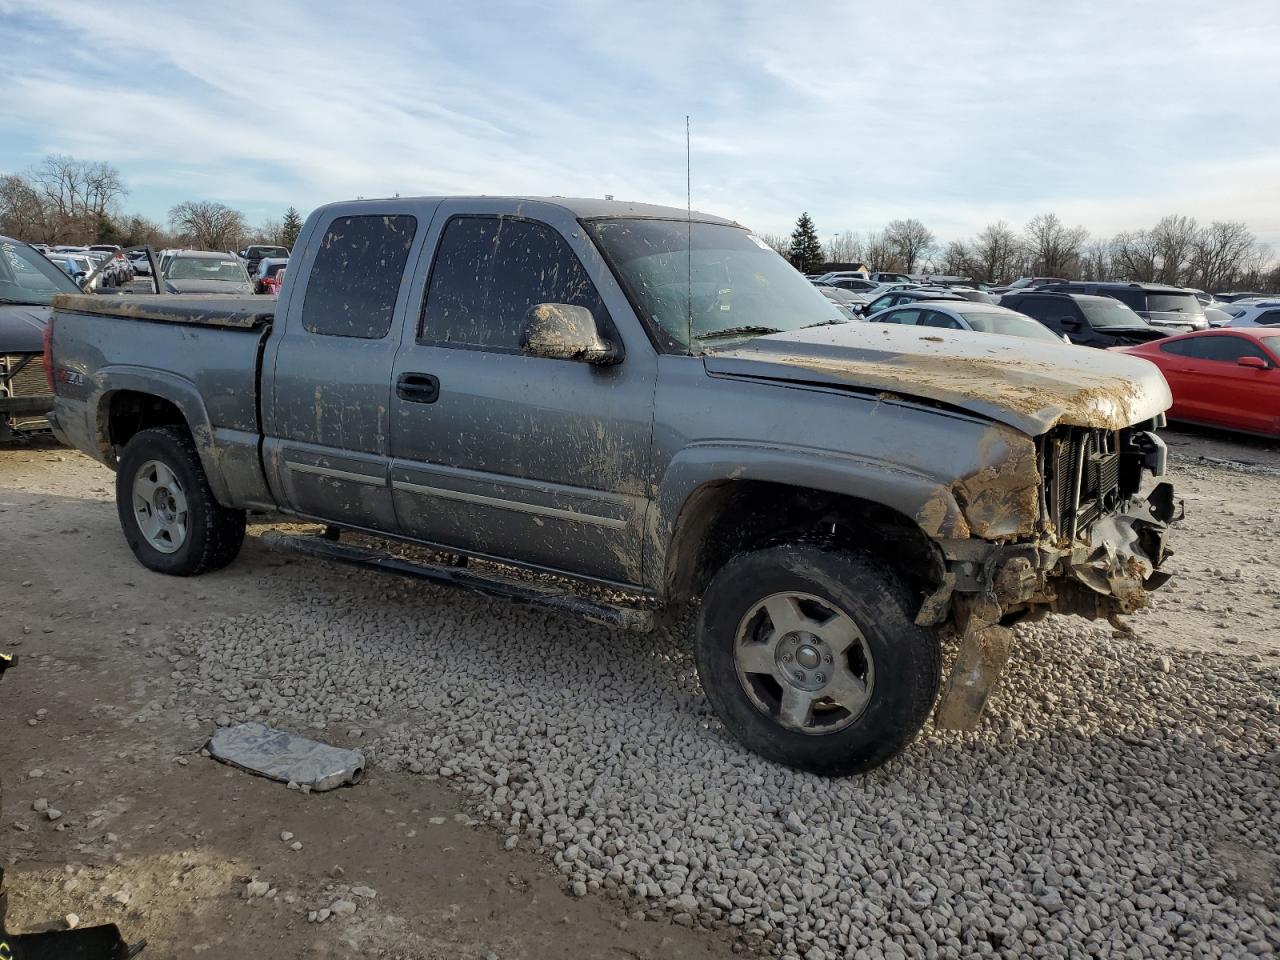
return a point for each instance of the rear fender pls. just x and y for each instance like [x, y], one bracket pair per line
[179, 391]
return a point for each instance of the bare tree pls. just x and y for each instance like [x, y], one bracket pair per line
[136, 230]
[995, 253]
[271, 231]
[880, 254]
[1134, 255]
[1095, 259]
[909, 239]
[1054, 248]
[76, 194]
[955, 259]
[1218, 253]
[1173, 238]
[208, 225]
[22, 214]
[844, 248]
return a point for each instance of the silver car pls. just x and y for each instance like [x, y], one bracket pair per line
[205, 271]
[966, 315]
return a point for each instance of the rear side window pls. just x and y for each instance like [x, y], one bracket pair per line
[354, 282]
[1043, 308]
[1268, 318]
[1223, 349]
[489, 271]
[1133, 299]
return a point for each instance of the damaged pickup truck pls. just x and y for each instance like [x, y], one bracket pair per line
[654, 403]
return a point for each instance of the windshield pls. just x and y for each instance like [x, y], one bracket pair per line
[1011, 324]
[1175, 303]
[204, 268]
[718, 281]
[27, 277]
[1105, 312]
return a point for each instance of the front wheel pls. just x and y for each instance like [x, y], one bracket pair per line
[169, 516]
[812, 658]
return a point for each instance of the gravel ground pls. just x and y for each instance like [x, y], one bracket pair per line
[1120, 797]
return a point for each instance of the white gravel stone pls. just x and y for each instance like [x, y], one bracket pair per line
[1106, 803]
[256, 888]
[342, 908]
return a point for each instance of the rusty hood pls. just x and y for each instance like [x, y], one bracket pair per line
[1028, 384]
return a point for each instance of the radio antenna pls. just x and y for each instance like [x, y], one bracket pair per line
[688, 206]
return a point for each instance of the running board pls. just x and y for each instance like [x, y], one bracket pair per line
[614, 615]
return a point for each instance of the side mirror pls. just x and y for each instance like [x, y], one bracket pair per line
[1254, 363]
[562, 331]
[1070, 323]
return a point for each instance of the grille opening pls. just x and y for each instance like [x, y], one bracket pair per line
[1082, 478]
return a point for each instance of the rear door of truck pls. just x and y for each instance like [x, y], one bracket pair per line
[326, 412]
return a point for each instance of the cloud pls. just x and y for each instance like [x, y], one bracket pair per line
[1111, 114]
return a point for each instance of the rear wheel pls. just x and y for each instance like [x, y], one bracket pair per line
[812, 658]
[169, 516]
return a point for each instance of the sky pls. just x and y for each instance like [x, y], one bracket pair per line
[1111, 114]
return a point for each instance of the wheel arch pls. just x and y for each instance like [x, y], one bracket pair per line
[134, 399]
[744, 508]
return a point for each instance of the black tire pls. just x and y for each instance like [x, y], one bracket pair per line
[905, 658]
[214, 533]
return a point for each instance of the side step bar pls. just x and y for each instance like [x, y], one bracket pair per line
[615, 615]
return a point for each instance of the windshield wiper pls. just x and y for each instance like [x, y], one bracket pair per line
[747, 331]
[825, 323]
[23, 303]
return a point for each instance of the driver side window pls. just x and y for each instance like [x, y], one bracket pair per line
[488, 273]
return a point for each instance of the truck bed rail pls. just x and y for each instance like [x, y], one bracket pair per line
[244, 313]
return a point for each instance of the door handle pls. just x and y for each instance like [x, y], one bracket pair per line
[418, 387]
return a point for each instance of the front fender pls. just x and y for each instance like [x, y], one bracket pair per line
[930, 502]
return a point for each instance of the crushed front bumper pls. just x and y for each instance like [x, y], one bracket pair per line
[1106, 572]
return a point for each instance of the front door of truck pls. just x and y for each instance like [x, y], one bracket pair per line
[326, 417]
[507, 455]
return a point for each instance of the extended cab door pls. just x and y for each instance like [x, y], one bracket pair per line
[511, 456]
[326, 411]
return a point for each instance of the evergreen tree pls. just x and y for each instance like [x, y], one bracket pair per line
[806, 249]
[291, 226]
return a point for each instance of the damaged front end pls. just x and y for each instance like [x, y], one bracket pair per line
[1097, 550]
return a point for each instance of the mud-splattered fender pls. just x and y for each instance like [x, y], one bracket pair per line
[179, 391]
[927, 500]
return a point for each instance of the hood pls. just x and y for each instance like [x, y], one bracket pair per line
[22, 328]
[1027, 384]
[210, 286]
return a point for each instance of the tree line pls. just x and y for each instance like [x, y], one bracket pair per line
[1178, 250]
[62, 200]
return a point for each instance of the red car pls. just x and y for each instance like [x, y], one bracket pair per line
[271, 282]
[1229, 377]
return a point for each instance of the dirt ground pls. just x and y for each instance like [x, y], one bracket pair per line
[163, 841]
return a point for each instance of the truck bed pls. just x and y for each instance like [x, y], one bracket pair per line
[199, 355]
[245, 313]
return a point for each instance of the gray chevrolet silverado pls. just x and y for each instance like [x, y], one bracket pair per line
[655, 406]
